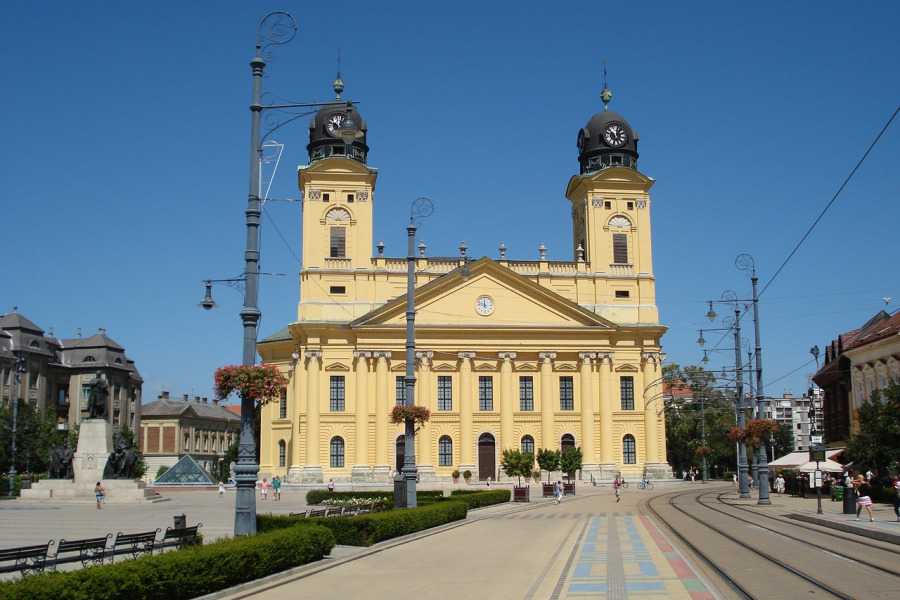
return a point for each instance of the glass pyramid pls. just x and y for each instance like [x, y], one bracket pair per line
[185, 472]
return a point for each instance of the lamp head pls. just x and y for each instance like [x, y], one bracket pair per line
[207, 302]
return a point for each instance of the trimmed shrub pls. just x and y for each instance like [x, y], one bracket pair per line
[182, 574]
[365, 530]
[475, 499]
[316, 497]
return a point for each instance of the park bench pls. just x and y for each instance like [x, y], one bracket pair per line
[135, 544]
[317, 512]
[300, 514]
[176, 537]
[334, 511]
[25, 559]
[88, 550]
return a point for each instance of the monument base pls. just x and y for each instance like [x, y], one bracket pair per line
[118, 491]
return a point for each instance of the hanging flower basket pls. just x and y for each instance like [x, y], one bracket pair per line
[737, 434]
[262, 383]
[703, 450]
[402, 413]
[762, 428]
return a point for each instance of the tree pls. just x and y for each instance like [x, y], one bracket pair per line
[516, 463]
[548, 460]
[570, 461]
[35, 435]
[878, 440]
[784, 440]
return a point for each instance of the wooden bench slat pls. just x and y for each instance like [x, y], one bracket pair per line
[91, 550]
[25, 559]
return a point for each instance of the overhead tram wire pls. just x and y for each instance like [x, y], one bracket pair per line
[822, 214]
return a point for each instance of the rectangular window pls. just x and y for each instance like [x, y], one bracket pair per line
[445, 452]
[33, 379]
[282, 405]
[620, 248]
[485, 392]
[85, 391]
[400, 390]
[626, 387]
[566, 393]
[526, 393]
[326, 197]
[445, 393]
[282, 454]
[337, 289]
[607, 205]
[349, 198]
[622, 294]
[630, 205]
[338, 246]
[337, 393]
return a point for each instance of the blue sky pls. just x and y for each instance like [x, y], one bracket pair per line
[126, 140]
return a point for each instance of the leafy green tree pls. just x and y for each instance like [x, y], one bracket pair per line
[516, 463]
[35, 436]
[878, 440]
[784, 440]
[570, 461]
[548, 460]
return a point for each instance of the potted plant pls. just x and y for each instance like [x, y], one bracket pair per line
[455, 475]
[548, 460]
[467, 475]
[570, 461]
[536, 475]
[516, 463]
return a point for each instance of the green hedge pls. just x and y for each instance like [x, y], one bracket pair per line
[315, 497]
[477, 499]
[365, 530]
[181, 574]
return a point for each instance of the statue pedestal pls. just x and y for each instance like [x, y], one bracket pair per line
[94, 446]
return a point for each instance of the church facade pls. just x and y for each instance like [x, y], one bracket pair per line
[525, 354]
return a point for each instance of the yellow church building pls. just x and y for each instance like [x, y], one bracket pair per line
[525, 354]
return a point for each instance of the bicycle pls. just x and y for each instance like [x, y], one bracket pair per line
[624, 484]
[645, 485]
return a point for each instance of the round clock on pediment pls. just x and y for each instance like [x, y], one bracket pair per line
[484, 305]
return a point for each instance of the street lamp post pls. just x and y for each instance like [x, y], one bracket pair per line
[745, 262]
[19, 368]
[421, 208]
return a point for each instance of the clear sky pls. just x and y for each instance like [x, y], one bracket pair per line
[125, 135]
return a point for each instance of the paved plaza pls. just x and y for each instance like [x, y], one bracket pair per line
[589, 546]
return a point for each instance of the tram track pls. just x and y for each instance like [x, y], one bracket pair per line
[733, 567]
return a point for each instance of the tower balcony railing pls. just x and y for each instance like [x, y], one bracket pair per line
[621, 269]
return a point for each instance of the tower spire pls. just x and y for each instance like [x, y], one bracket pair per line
[605, 95]
[338, 84]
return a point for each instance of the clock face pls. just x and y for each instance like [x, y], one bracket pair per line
[580, 142]
[484, 305]
[333, 122]
[615, 135]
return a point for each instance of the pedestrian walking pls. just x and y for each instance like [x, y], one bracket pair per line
[779, 484]
[221, 489]
[617, 486]
[864, 490]
[734, 480]
[896, 486]
[558, 491]
[276, 489]
[264, 488]
[100, 493]
[331, 485]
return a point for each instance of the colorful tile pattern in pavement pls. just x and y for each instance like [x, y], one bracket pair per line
[624, 556]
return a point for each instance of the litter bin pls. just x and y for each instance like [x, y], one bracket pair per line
[849, 500]
[180, 522]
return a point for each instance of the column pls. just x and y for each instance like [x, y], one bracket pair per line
[607, 441]
[382, 461]
[466, 443]
[586, 383]
[507, 394]
[548, 404]
[294, 412]
[361, 471]
[653, 408]
[312, 470]
[425, 439]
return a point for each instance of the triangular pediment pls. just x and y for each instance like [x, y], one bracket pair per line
[337, 366]
[626, 369]
[398, 368]
[443, 367]
[526, 366]
[565, 367]
[486, 366]
[512, 302]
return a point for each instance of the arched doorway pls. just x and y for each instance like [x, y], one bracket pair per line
[487, 457]
[567, 441]
[400, 452]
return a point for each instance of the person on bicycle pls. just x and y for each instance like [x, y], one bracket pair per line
[644, 480]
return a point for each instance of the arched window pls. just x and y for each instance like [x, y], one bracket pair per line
[337, 452]
[445, 451]
[620, 239]
[528, 444]
[282, 405]
[629, 450]
[282, 453]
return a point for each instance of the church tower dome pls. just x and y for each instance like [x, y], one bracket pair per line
[325, 140]
[607, 141]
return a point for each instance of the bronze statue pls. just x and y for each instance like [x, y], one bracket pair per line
[121, 461]
[98, 401]
[60, 461]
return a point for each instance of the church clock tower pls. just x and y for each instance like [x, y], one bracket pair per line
[611, 218]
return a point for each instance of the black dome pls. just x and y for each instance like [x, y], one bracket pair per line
[607, 141]
[323, 144]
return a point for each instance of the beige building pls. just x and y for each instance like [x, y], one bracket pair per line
[57, 373]
[171, 428]
[524, 354]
